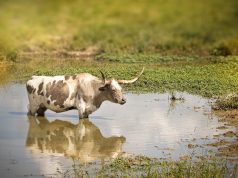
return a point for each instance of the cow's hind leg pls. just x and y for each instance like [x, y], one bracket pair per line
[32, 109]
[41, 110]
[33, 106]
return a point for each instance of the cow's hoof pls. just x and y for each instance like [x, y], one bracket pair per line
[86, 117]
[30, 114]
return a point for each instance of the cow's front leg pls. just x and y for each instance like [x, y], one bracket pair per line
[82, 112]
[41, 110]
[32, 109]
[81, 106]
[83, 115]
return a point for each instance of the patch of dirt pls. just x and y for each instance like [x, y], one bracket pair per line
[190, 146]
[222, 127]
[84, 54]
[228, 116]
[230, 150]
[227, 148]
[205, 158]
[216, 136]
[219, 143]
[185, 157]
[229, 134]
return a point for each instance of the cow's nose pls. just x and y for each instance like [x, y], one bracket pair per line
[123, 101]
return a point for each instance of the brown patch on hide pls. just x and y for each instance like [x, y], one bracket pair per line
[41, 110]
[58, 92]
[30, 89]
[74, 77]
[40, 92]
[67, 77]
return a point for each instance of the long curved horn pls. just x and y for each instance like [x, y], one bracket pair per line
[132, 80]
[103, 77]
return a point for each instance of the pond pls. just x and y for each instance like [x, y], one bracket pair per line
[148, 124]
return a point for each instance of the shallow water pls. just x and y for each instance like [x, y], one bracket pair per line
[148, 124]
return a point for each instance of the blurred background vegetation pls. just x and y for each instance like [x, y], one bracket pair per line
[166, 27]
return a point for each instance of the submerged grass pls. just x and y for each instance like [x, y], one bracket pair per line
[141, 166]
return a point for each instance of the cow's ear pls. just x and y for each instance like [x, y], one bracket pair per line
[102, 88]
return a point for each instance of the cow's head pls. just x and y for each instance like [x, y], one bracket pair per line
[112, 89]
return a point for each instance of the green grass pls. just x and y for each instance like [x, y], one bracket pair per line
[210, 78]
[153, 168]
[155, 26]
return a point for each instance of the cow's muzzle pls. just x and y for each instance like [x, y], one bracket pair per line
[123, 101]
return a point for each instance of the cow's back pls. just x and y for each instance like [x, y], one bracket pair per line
[54, 93]
[87, 84]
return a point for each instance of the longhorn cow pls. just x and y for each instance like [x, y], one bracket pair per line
[83, 92]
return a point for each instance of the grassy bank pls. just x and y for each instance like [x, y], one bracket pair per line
[209, 78]
[140, 166]
[155, 26]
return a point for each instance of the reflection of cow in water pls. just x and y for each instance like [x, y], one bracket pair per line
[83, 140]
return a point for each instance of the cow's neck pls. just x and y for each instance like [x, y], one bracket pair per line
[99, 96]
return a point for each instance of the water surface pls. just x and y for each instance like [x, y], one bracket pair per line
[148, 124]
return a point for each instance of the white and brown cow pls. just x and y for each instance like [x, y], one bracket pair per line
[83, 92]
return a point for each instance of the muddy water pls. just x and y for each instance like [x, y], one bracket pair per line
[148, 124]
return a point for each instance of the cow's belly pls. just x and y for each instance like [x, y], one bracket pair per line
[68, 105]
